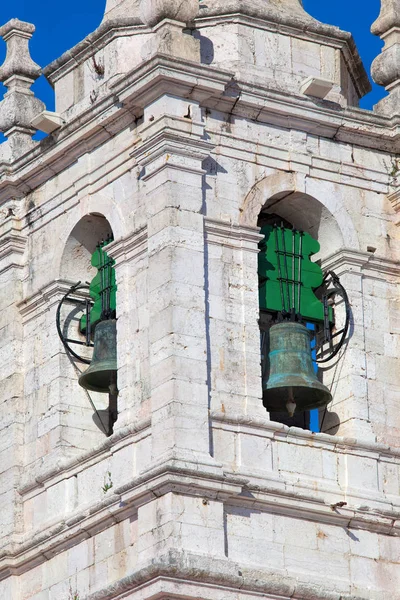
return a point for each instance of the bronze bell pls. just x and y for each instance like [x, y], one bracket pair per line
[292, 382]
[101, 375]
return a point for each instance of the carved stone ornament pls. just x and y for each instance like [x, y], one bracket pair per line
[386, 67]
[18, 73]
[154, 11]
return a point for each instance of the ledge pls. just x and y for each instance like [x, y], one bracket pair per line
[318, 439]
[66, 467]
[224, 575]
[363, 261]
[274, 17]
[233, 236]
[108, 30]
[132, 92]
[24, 552]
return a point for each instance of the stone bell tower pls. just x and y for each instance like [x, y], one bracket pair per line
[184, 134]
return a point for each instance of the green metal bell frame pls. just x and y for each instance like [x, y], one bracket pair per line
[101, 376]
[292, 382]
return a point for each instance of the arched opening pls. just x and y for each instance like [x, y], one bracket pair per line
[307, 214]
[80, 246]
[299, 233]
[87, 317]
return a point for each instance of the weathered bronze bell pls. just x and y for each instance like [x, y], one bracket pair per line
[291, 382]
[101, 376]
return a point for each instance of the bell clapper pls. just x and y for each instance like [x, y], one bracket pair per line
[113, 389]
[112, 405]
[291, 404]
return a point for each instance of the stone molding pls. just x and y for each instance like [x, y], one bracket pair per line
[26, 173]
[262, 14]
[12, 249]
[108, 31]
[394, 199]
[216, 576]
[279, 183]
[163, 144]
[139, 88]
[41, 301]
[129, 248]
[68, 467]
[221, 233]
[322, 440]
[348, 260]
[36, 547]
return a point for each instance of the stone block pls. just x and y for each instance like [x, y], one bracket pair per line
[80, 557]
[55, 571]
[362, 473]
[332, 569]
[296, 458]
[255, 452]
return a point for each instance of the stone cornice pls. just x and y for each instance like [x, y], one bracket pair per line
[37, 547]
[164, 143]
[394, 199]
[129, 248]
[101, 37]
[348, 260]
[225, 576]
[132, 92]
[34, 548]
[12, 249]
[266, 492]
[221, 233]
[286, 21]
[42, 300]
[68, 467]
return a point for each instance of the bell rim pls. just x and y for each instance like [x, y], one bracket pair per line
[279, 404]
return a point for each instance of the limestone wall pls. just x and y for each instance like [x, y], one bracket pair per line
[197, 493]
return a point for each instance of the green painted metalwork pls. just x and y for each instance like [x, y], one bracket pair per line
[287, 277]
[103, 288]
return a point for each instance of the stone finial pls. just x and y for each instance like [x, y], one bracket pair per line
[154, 11]
[386, 67]
[18, 73]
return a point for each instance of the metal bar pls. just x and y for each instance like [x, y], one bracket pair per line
[279, 267]
[299, 270]
[71, 341]
[101, 271]
[72, 301]
[293, 269]
[286, 265]
[109, 275]
[87, 324]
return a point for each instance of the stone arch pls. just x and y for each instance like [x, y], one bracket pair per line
[77, 253]
[311, 205]
[98, 216]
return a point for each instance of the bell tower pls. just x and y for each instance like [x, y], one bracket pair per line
[199, 271]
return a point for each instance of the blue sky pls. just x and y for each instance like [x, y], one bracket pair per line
[60, 25]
